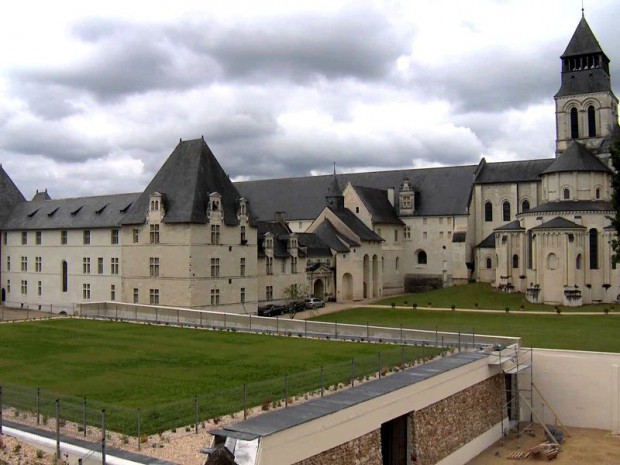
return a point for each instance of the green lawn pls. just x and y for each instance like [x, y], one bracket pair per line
[593, 333]
[486, 297]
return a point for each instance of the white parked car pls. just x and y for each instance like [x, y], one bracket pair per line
[313, 302]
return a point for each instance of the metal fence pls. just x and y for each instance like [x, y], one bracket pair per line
[285, 326]
[75, 415]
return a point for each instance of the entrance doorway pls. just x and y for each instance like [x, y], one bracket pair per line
[394, 441]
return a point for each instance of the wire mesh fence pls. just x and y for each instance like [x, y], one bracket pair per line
[75, 415]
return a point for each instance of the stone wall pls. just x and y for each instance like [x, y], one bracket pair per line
[365, 450]
[447, 425]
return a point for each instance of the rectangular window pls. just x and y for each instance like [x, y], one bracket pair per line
[283, 267]
[407, 233]
[269, 293]
[215, 234]
[8, 263]
[215, 267]
[154, 267]
[269, 265]
[86, 265]
[112, 292]
[8, 286]
[424, 235]
[215, 296]
[154, 296]
[243, 239]
[242, 297]
[5, 238]
[24, 238]
[86, 291]
[136, 236]
[38, 264]
[242, 267]
[114, 237]
[24, 287]
[136, 295]
[154, 233]
[293, 265]
[396, 235]
[100, 265]
[114, 266]
[86, 237]
[63, 237]
[440, 220]
[39, 288]
[24, 263]
[38, 237]
[424, 220]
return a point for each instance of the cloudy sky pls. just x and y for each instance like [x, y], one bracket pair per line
[95, 95]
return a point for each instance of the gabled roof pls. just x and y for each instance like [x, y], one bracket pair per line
[378, 205]
[512, 226]
[440, 191]
[559, 223]
[313, 245]
[356, 225]
[512, 171]
[576, 158]
[332, 237]
[10, 196]
[583, 41]
[573, 205]
[81, 212]
[488, 242]
[187, 177]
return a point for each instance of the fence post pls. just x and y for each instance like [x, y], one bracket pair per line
[436, 337]
[322, 383]
[459, 340]
[367, 332]
[84, 414]
[245, 401]
[335, 330]
[379, 364]
[201, 319]
[58, 429]
[52, 312]
[1, 407]
[139, 421]
[196, 412]
[352, 372]
[305, 328]
[402, 356]
[38, 402]
[473, 338]
[224, 320]
[285, 391]
[423, 355]
[178, 318]
[103, 434]
[157, 315]
[250, 315]
[401, 333]
[277, 325]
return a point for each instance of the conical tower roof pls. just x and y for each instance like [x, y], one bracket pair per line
[576, 158]
[583, 41]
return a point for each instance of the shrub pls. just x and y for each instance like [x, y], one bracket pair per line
[558, 310]
[188, 429]
[476, 304]
[39, 454]
[430, 304]
[393, 305]
[414, 305]
[17, 448]
[125, 439]
[143, 438]
[507, 309]
[606, 311]
[453, 307]
[265, 405]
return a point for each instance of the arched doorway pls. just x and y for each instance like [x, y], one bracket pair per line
[347, 286]
[3, 294]
[366, 275]
[318, 290]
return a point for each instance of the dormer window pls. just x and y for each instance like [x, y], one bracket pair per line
[214, 207]
[406, 201]
[154, 205]
[243, 207]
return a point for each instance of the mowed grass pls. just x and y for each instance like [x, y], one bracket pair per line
[141, 365]
[486, 297]
[588, 332]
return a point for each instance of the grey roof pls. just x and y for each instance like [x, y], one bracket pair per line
[576, 158]
[280, 233]
[512, 226]
[81, 212]
[559, 223]
[187, 177]
[378, 205]
[441, 191]
[333, 239]
[512, 171]
[10, 196]
[279, 420]
[356, 225]
[313, 245]
[572, 205]
[583, 41]
[488, 242]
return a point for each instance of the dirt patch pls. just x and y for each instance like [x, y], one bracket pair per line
[583, 447]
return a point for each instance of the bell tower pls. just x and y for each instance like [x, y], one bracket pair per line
[586, 108]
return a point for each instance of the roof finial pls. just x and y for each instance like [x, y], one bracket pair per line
[334, 168]
[583, 14]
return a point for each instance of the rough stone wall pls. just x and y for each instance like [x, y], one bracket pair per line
[365, 450]
[447, 425]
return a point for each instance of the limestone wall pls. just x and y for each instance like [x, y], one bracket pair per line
[365, 450]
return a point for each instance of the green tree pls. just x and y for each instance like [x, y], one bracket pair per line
[294, 296]
[615, 194]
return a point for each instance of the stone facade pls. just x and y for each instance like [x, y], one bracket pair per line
[443, 427]
[365, 450]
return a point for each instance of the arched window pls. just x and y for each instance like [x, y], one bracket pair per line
[488, 211]
[591, 122]
[65, 280]
[578, 262]
[515, 261]
[574, 124]
[566, 194]
[506, 210]
[489, 263]
[422, 258]
[593, 239]
[597, 193]
[552, 261]
[525, 206]
[397, 263]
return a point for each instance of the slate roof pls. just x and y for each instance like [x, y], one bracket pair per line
[81, 212]
[559, 223]
[280, 234]
[512, 226]
[378, 205]
[488, 242]
[313, 245]
[573, 205]
[441, 191]
[576, 158]
[512, 171]
[187, 177]
[10, 195]
[583, 41]
[356, 225]
[333, 239]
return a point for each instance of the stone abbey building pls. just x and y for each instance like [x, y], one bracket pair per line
[193, 238]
